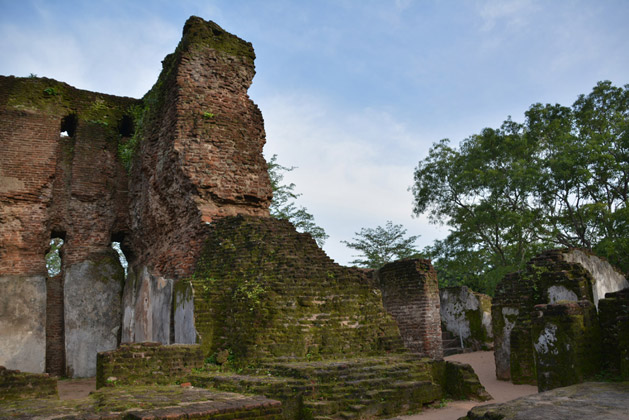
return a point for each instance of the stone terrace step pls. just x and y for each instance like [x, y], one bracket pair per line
[352, 388]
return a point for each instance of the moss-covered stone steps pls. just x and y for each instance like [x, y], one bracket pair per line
[350, 388]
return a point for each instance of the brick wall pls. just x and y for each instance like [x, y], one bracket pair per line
[550, 277]
[55, 338]
[147, 363]
[567, 342]
[16, 385]
[201, 156]
[614, 319]
[262, 290]
[411, 295]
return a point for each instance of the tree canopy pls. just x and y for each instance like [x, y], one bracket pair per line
[561, 178]
[283, 205]
[382, 245]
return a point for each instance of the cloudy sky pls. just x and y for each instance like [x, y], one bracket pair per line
[353, 92]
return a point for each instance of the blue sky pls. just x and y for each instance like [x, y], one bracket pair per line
[353, 92]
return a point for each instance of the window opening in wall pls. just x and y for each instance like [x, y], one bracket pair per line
[121, 256]
[125, 128]
[53, 257]
[68, 125]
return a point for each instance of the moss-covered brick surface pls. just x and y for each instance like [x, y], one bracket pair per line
[16, 385]
[370, 387]
[58, 99]
[264, 291]
[614, 321]
[142, 402]
[461, 382]
[567, 342]
[147, 363]
[547, 278]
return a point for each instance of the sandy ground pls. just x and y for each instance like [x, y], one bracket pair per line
[501, 391]
[74, 389]
[482, 362]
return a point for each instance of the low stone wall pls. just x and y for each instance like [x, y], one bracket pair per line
[553, 276]
[567, 342]
[147, 363]
[16, 385]
[614, 320]
[467, 316]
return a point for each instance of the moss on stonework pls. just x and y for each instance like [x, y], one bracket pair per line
[197, 32]
[263, 291]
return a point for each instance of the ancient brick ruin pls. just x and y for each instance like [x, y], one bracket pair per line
[545, 318]
[179, 180]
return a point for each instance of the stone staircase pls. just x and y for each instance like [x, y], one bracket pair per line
[451, 344]
[373, 387]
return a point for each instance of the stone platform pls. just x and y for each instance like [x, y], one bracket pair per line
[171, 402]
[587, 401]
[376, 387]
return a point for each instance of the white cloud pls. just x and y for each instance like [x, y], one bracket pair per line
[513, 13]
[354, 168]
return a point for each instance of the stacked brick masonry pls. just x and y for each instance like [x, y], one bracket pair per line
[55, 338]
[411, 295]
[147, 363]
[550, 277]
[614, 319]
[262, 290]
[567, 343]
[16, 385]
[50, 185]
[201, 154]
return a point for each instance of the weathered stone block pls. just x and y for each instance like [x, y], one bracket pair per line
[147, 301]
[183, 307]
[614, 320]
[567, 342]
[22, 323]
[467, 315]
[92, 310]
[553, 276]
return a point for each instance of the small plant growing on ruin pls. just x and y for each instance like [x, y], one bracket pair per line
[51, 91]
[207, 115]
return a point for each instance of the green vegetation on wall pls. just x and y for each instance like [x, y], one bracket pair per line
[263, 290]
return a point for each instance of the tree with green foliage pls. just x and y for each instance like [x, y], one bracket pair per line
[382, 245]
[283, 205]
[561, 178]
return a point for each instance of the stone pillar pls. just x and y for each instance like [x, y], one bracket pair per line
[410, 293]
[22, 323]
[92, 291]
[614, 320]
[147, 301]
[566, 339]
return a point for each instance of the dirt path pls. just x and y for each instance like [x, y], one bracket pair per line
[483, 364]
[75, 389]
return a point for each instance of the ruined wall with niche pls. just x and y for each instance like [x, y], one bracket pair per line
[162, 175]
[553, 277]
[193, 145]
[68, 185]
